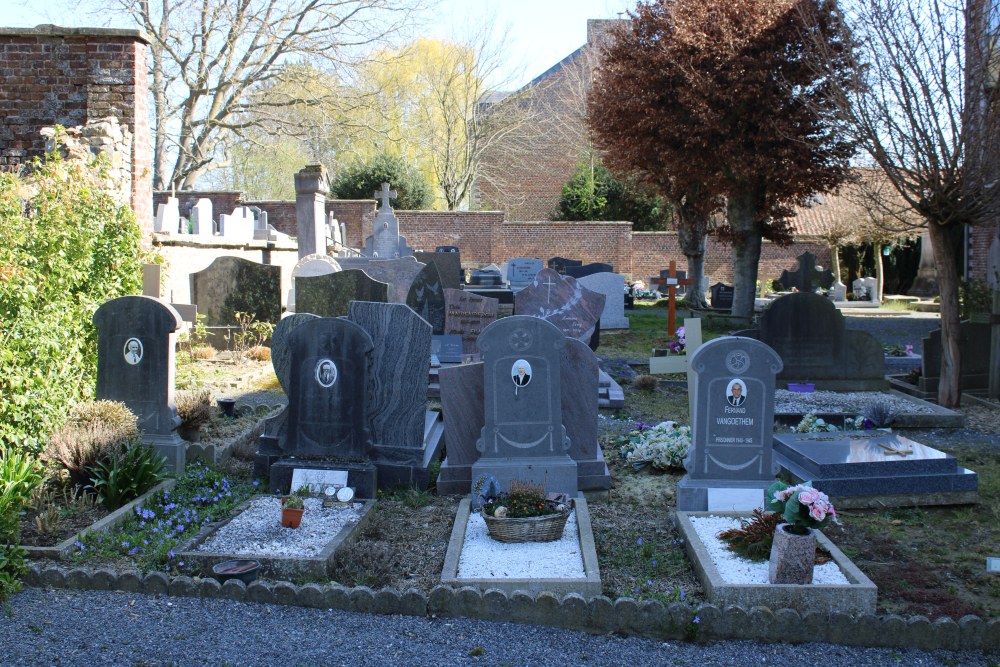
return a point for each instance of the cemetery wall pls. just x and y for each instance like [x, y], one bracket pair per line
[981, 238]
[479, 234]
[71, 77]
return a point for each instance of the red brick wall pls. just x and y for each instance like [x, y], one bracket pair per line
[69, 76]
[478, 234]
[982, 237]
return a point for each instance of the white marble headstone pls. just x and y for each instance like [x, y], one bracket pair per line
[168, 216]
[201, 218]
[612, 286]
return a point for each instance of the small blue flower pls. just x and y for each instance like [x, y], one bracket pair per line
[653, 562]
[697, 619]
[639, 541]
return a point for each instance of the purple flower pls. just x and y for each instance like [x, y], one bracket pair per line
[639, 541]
[697, 619]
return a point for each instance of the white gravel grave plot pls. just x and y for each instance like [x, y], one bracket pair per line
[485, 558]
[257, 531]
[734, 569]
[848, 402]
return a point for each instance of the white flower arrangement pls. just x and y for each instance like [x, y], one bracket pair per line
[663, 446]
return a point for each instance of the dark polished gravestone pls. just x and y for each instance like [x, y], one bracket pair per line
[807, 276]
[466, 315]
[564, 302]
[559, 264]
[731, 460]
[875, 469]
[486, 278]
[398, 273]
[448, 263]
[231, 285]
[135, 365]
[323, 369]
[722, 296]
[406, 435]
[331, 295]
[974, 341]
[589, 269]
[426, 298]
[808, 333]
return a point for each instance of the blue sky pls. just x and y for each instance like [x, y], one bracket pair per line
[540, 32]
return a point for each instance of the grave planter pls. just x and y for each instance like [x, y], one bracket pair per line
[529, 529]
[290, 517]
[792, 556]
[189, 433]
[802, 387]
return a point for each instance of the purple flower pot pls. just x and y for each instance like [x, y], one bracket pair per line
[802, 387]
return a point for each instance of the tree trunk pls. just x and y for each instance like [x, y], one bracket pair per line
[691, 238]
[835, 260]
[879, 272]
[742, 211]
[945, 253]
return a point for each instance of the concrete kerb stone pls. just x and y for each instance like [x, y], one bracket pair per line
[386, 601]
[235, 590]
[440, 600]
[574, 612]
[496, 605]
[78, 577]
[130, 581]
[209, 588]
[362, 599]
[286, 593]
[154, 583]
[337, 597]
[260, 591]
[602, 614]
[182, 586]
[104, 579]
[412, 603]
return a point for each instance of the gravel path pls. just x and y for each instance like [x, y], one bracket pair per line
[117, 629]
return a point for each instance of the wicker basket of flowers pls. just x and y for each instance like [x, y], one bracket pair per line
[523, 514]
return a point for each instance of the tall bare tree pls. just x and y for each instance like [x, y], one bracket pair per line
[924, 108]
[208, 56]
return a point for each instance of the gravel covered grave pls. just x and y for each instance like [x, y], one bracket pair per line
[257, 531]
[735, 569]
[847, 402]
[483, 557]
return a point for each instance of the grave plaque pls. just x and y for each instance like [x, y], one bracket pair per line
[426, 298]
[466, 315]
[331, 295]
[522, 270]
[447, 348]
[135, 365]
[612, 286]
[732, 422]
[589, 269]
[523, 436]
[722, 296]
[559, 264]
[561, 300]
[232, 284]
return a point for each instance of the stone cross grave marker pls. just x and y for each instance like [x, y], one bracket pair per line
[808, 276]
[731, 461]
[136, 344]
[385, 241]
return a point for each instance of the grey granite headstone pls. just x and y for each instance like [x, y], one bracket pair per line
[612, 286]
[399, 273]
[135, 365]
[580, 372]
[385, 241]
[331, 295]
[559, 264]
[447, 348]
[808, 333]
[448, 263]
[308, 266]
[722, 296]
[466, 315]
[838, 291]
[732, 422]
[233, 284]
[462, 403]
[564, 302]
[523, 436]
[486, 278]
[589, 269]
[522, 270]
[426, 297]
[808, 276]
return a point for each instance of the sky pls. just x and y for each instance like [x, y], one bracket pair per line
[540, 33]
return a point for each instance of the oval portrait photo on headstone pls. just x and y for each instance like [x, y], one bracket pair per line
[133, 351]
[521, 373]
[736, 392]
[326, 372]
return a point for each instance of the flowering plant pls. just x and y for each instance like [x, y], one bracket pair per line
[812, 424]
[675, 344]
[802, 506]
[663, 446]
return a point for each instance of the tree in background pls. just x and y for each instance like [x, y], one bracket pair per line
[923, 105]
[595, 194]
[361, 179]
[713, 98]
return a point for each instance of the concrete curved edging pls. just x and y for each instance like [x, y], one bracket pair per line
[599, 615]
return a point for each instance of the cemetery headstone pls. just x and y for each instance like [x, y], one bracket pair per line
[168, 216]
[447, 248]
[865, 289]
[486, 278]
[559, 264]
[523, 436]
[808, 333]
[612, 286]
[238, 225]
[580, 404]
[722, 296]
[426, 298]
[310, 209]
[331, 295]
[385, 241]
[589, 269]
[449, 266]
[397, 393]
[310, 265]
[973, 339]
[466, 315]
[521, 271]
[202, 222]
[808, 276]
[398, 273]
[231, 285]
[564, 302]
[462, 398]
[838, 291]
[731, 461]
[135, 365]
[447, 348]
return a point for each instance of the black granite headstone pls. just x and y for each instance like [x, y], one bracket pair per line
[722, 296]
[449, 266]
[446, 248]
[973, 341]
[426, 298]
[232, 284]
[331, 295]
[559, 264]
[808, 276]
[589, 269]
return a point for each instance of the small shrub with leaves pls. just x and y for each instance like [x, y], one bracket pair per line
[19, 476]
[127, 475]
[95, 432]
[205, 352]
[523, 500]
[646, 382]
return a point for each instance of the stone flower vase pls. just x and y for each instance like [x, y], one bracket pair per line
[792, 557]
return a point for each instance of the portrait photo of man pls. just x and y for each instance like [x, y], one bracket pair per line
[326, 372]
[521, 372]
[133, 351]
[736, 393]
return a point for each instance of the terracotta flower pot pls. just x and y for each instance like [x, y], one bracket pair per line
[792, 557]
[291, 518]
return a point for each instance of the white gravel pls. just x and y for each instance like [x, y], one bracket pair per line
[849, 402]
[483, 557]
[734, 569]
[257, 531]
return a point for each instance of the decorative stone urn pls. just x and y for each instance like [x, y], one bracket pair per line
[792, 556]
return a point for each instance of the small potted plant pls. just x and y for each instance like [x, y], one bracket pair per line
[674, 344]
[194, 410]
[291, 511]
[525, 514]
[793, 551]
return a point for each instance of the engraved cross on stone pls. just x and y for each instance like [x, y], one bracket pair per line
[385, 195]
[548, 297]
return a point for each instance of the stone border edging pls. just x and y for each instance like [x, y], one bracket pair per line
[598, 615]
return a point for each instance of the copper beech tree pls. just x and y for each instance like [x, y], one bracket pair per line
[712, 99]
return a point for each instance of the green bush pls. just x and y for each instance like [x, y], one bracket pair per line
[361, 179]
[19, 475]
[68, 246]
[127, 474]
[593, 193]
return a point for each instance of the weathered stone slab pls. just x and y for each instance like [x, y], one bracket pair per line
[330, 295]
[232, 284]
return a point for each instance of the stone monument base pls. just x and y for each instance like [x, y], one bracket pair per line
[591, 475]
[171, 447]
[556, 473]
[410, 466]
[693, 495]
[362, 477]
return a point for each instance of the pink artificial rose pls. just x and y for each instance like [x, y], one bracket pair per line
[817, 512]
[808, 497]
